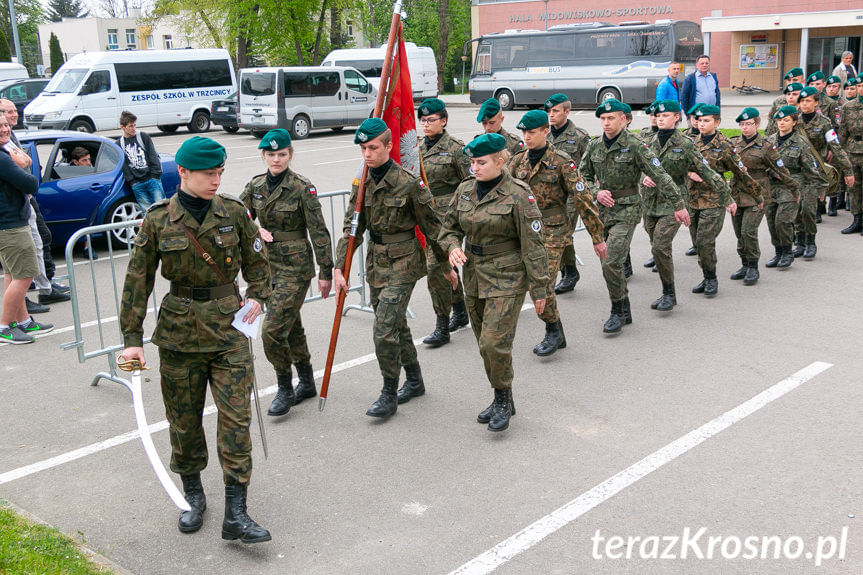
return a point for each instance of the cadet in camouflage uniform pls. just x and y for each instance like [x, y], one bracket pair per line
[612, 167]
[197, 344]
[395, 202]
[708, 203]
[553, 179]
[497, 217]
[851, 134]
[491, 119]
[445, 167]
[565, 136]
[765, 166]
[287, 207]
[793, 76]
[849, 94]
[830, 101]
[796, 156]
[825, 147]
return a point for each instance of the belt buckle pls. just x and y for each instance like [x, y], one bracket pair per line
[476, 250]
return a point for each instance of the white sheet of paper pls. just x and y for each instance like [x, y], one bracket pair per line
[247, 329]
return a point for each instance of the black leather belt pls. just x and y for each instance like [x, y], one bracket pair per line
[494, 249]
[288, 236]
[204, 293]
[391, 238]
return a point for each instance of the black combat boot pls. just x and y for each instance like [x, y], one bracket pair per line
[771, 263]
[700, 287]
[799, 245]
[485, 415]
[711, 284]
[741, 273]
[501, 410]
[414, 386]
[787, 258]
[387, 404]
[237, 523]
[191, 521]
[440, 335]
[284, 396]
[752, 274]
[627, 266]
[614, 323]
[811, 248]
[691, 251]
[650, 263]
[627, 311]
[553, 340]
[305, 383]
[459, 317]
[831, 206]
[668, 299]
[822, 209]
[569, 277]
[856, 225]
[841, 204]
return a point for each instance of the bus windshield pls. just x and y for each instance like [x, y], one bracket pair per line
[258, 84]
[688, 44]
[66, 80]
[368, 68]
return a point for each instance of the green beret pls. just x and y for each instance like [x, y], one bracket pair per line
[430, 106]
[833, 80]
[748, 114]
[555, 99]
[694, 109]
[785, 111]
[651, 109]
[808, 91]
[370, 129]
[851, 82]
[793, 72]
[484, 145]
[627, 109]
[708, 110]
[666, 106]
[793, 87]
[610, 105]
[859, 77]
[814, 76]
[275, 140]
[199, 153]
[533, 119]
[488, 109]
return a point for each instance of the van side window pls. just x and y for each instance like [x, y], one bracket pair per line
[99, 81]
[297, 84]
[325, 83]
[355, 82]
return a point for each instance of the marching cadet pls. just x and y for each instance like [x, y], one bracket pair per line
[825, 148]
[395, 203]
[491, 118]
[849, 94]
[708, 203]
[851, 133]
[693, 134]
[445, 166]
[203, 241]
[831, 100]
[794, 75]
[553, 179]
[286, 206]
[616, 161]
[796, 155]
[817, 80]
[569, 138]
[651, 113]
[663, 213]
[497, 217]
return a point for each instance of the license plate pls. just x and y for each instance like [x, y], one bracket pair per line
[222, 109]
[257, 119]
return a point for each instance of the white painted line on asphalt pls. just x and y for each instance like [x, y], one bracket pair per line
[561, 517]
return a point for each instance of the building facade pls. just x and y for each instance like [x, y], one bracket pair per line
[751, 41]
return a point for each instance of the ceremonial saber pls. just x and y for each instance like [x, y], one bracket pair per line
[258, 401]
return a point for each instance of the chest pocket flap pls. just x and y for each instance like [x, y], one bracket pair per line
[291, 205]
[395, 202]
[173, 243]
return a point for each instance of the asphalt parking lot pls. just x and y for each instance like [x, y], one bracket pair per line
[736, 417]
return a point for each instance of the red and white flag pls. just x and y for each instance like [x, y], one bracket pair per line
[399, 110]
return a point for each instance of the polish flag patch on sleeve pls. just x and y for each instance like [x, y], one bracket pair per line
[531, 199]
[313, 190]
[572, 165]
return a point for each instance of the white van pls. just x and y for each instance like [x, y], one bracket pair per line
[12, 71]
[370, 61]
[303, 98]
[164, 88]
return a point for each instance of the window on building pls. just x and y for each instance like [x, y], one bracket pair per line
[350, 26]
[168, 41]
[148, 41]
[113, 43]
[131, 41]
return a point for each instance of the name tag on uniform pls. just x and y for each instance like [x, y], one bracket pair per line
[678, 150]
[626, 149]
[226, 229]
[465, 197]
[552, 167]
[757, 147]
[717, 150]
[570, 141]
[444, 154]
[793, 148]
[257, 196]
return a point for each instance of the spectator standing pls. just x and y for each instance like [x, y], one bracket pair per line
[845, 69]
[700, 87]
[141, 166]
[669, 88]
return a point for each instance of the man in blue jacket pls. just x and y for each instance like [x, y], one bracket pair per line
[669, 88]
[700, 87]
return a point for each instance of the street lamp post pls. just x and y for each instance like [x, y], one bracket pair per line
[546, 14]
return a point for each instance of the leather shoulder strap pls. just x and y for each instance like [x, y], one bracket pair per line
[207, 257]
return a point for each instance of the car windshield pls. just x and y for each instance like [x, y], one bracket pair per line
[66, 81]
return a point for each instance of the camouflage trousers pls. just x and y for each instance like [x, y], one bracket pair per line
[619, 224]
[493, 321]
[662, 230]
[804, 223]
[704, 229]
[184, 388]
[283, 334]
[550, 314]
[746, 222]
[568, 256]
[394, 345]
[855, 192]
[780, 222]
[442, 294]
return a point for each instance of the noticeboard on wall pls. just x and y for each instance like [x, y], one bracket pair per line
[758, 56]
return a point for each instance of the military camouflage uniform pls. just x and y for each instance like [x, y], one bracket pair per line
[196, 342]
[395, 261]
[707, 202]
[771, 123]
[823, 139]
[513, 143]
[572, 140]
[555, 180]
[797, 157]
[293, 213]
[618, 169]
[832, 108]
[678, 157]
[445, 166]
[851, 136]
[495, 284]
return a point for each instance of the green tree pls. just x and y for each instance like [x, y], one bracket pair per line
[29, 14]
[5, 52]
[59, 9]
[57, 58]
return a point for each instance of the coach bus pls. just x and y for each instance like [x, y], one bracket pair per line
[589, 62]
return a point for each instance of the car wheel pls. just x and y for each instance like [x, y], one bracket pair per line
[231, 129]
[200, 122]
[607, 94]
[168, 129]
[81, 125]
[300, 127]
[506, 99]
[125, 210]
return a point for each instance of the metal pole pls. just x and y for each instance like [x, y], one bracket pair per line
[14, 23]
[546, 15]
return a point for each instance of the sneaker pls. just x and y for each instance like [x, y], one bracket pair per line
[33, 307]
[35, 327]
[54, 297]
[60, 288]
[15, 336]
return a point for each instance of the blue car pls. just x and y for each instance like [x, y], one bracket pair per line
[73, 197]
